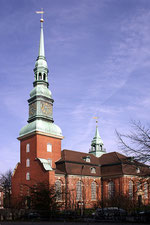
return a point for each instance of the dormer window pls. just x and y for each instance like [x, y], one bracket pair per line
[93, 170]
[87, 159]
[138, 170]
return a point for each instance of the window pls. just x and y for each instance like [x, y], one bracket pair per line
[130, 189]
[93, 170]
[49, 147]
[79, 191]
[28, 148]
[87, 159]
[138, 186]
[145, 190]
[28, 176]
[93, 190]
[28, 163]
[58, 190]
[40, 76]
[138, 170]
[0, 194]
[0, 202]
[111, 189]
[50, 162]
[44, 76]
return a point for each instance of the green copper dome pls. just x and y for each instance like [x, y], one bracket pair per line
[41, 126]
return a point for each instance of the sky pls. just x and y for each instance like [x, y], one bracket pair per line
[98, 54]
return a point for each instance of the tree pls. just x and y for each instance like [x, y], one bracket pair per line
[5, 183]
[137, 142]
[43, 198]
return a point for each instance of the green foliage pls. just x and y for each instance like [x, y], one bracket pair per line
[43, 197]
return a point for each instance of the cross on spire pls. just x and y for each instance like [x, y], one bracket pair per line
[41, 12]
[96, 118]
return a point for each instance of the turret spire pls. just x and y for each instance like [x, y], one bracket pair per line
[97, 143]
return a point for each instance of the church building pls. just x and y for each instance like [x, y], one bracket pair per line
[82, 178]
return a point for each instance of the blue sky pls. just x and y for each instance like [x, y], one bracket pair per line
[98, 54]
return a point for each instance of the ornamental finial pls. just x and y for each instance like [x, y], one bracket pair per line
[96, 118]
[41, 12]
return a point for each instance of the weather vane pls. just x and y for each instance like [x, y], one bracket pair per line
[96, 118]
[41, 12]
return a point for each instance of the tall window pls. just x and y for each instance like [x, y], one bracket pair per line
[40, 76]
[27, 176]
[93, 190]
[28, 148]
[49, 147]
[111, 189]
[138, 186]
[58, 190]
[28, 163]
[130, 189]
[79, 191]
[145, 190]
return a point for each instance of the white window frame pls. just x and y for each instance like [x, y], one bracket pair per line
[131, 189]
[49, 147]
[145, 190]
[27, 162]
[111, 189]
[28, 147]
[27, 176]
[79, 191]
[93, 191]
[58, 190]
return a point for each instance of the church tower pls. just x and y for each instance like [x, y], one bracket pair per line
[97, 148]
[40, 139]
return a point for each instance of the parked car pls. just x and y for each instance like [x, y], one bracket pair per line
[144, 216]
[110, 213]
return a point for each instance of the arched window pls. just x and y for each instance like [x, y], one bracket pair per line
[44, 76]
[79, 191]
[93, 170]
[28, 163]
[111, 189]
[27, 176]
[93, 190]
[145, 190]
[58, 190]
[130, 189]
[28, 148]
[138, 186]
[40, 76]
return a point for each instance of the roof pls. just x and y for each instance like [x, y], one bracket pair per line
[109, 164]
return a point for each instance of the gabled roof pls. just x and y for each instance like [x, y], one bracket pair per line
[111, 158]
[77, 157]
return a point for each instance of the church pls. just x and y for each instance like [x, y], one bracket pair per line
[81, 178]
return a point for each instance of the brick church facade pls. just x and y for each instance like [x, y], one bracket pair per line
[81, 178]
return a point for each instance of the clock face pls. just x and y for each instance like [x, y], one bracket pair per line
[32, 109]
[46, 108]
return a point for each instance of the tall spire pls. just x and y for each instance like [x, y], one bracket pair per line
[97, 144]
[41, 68]
[41, 46]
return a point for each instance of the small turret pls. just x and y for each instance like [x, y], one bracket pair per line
[97, 148]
